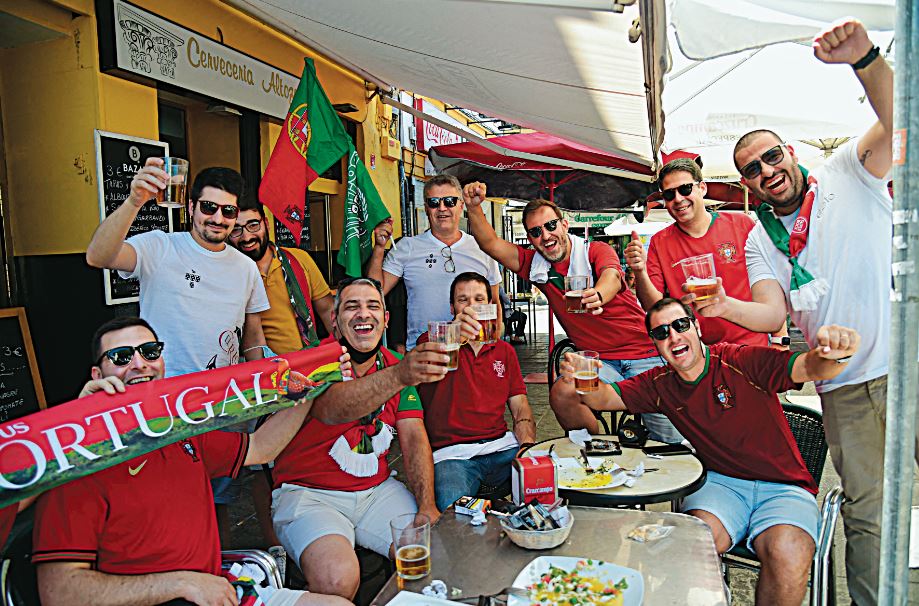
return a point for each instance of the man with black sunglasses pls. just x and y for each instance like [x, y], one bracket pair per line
[821, 253]
[722, 397]
[430, 261]
[204, 296]
[143, 532]
[695, 231]
[612, 325]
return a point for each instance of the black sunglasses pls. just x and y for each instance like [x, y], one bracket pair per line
[670, 194]
[251, 227]
[209, 208]
[121, 356]
[536, 231]
[659, 333]
[771, 156]
[449, 201]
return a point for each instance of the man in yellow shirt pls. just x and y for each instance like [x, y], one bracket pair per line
[299, 297]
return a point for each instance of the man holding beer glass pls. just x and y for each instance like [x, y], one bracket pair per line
[464, 412]
[695, 232]
[332, 484]
[609, 319]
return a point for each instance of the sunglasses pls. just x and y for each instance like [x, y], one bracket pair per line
[670, 194]
[122, 356]
[660, 333]
[772, 156]
[449, 201]
[536, 231]
[209, 208]
[251, 227]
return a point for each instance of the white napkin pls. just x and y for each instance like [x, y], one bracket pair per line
[579, 437]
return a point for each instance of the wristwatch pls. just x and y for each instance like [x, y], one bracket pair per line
[783, 341]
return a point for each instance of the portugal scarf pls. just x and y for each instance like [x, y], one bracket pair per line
[293, 276]
[805, 289]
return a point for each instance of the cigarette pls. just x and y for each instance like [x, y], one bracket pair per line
[392, 241]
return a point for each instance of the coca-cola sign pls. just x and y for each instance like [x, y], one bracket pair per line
[430, 134]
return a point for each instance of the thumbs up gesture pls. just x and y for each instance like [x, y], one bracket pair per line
[635, 256]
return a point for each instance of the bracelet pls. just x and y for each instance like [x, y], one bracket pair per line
[524, 419]
[843, 360]
[865, 61]
[599, 296]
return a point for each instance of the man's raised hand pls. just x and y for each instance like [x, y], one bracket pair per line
[148, 182]
[635, 256]
[469, 323]
[835, 342]
[845, 41]
[427, 363]
[474, 194]
[382, 233]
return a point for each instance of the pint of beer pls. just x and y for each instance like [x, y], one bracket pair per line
[411, 535]
[447, 333]
[700, 275]
[174, 196]
[487, 315]
[574, 292]
[586, 371]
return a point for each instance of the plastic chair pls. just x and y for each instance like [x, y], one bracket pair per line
[807, 428]
[555, 360]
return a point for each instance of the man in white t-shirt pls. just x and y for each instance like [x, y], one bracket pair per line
[428, 262]
[202, 295]
[821, 252]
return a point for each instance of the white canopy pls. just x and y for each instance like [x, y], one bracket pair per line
[564, 67]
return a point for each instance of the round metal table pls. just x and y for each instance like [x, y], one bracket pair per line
[676, 476]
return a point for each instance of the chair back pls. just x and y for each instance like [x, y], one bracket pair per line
[557, 355]
[807, 428]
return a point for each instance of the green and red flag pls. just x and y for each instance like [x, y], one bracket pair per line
[364, 210]
[312, 140]
[72, 440]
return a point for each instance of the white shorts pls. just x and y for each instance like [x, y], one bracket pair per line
[285, 597]
[301, 515]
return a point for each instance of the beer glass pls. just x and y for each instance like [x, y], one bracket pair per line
[411, 536]
[447, 333]
[700, 276]
[173, 196]
[487, 315]
[586, 373]
[574, 291]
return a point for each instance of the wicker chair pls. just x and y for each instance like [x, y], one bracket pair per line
[807, 428]
[555, 360]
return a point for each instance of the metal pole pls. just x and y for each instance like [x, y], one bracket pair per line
[893, 586]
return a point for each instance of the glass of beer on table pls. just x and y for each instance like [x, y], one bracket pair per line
[411, 535]
[700, 276]
[574, 291]
[447, 333]
[487, 315]
[586, 371]
[173, 196]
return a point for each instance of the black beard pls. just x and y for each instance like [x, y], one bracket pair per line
[256, 254]
[359, 357]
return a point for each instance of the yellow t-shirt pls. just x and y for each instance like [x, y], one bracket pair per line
[279, 323]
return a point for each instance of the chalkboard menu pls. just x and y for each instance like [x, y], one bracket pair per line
[20, 387]
[118, 158]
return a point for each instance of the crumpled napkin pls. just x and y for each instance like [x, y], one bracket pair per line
[437, 589]
[579, 437]
[478, 518]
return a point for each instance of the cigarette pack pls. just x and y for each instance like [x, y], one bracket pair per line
[534, 477]
[469, 506]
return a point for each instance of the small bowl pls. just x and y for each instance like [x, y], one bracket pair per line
[538, 539]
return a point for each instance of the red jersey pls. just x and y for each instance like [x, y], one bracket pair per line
[468, 404]
[616, 334]
[7, 517]
[725, 239]
[730, 414]
[306, 461]
[153, 513]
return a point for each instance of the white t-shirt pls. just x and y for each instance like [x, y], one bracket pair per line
[420, 261]
[195, 299]
[848, 245]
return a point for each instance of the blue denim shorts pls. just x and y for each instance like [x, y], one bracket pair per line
[748, 507]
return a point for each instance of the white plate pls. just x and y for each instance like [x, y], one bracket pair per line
[571, 475]
[610, 573]
[408, 598]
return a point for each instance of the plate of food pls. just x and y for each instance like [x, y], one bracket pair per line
[605, 474]
[551, 580]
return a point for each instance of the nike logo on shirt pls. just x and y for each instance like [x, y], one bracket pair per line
[136, 470]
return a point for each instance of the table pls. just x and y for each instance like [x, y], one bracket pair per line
[677, 476]
[683, 568]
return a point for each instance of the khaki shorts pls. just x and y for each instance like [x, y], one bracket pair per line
[302, 515]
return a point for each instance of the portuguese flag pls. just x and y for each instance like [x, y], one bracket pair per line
[364, 210]
[311, 141]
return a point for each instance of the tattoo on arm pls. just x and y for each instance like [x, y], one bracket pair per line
[864, 157]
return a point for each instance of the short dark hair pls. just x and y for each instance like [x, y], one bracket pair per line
[748, 139]
[469, 276]
[249, 202]
[534, 205]
[112, 325]
[220, 177]
[441, 180]
[680, 165]
[667, 302]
